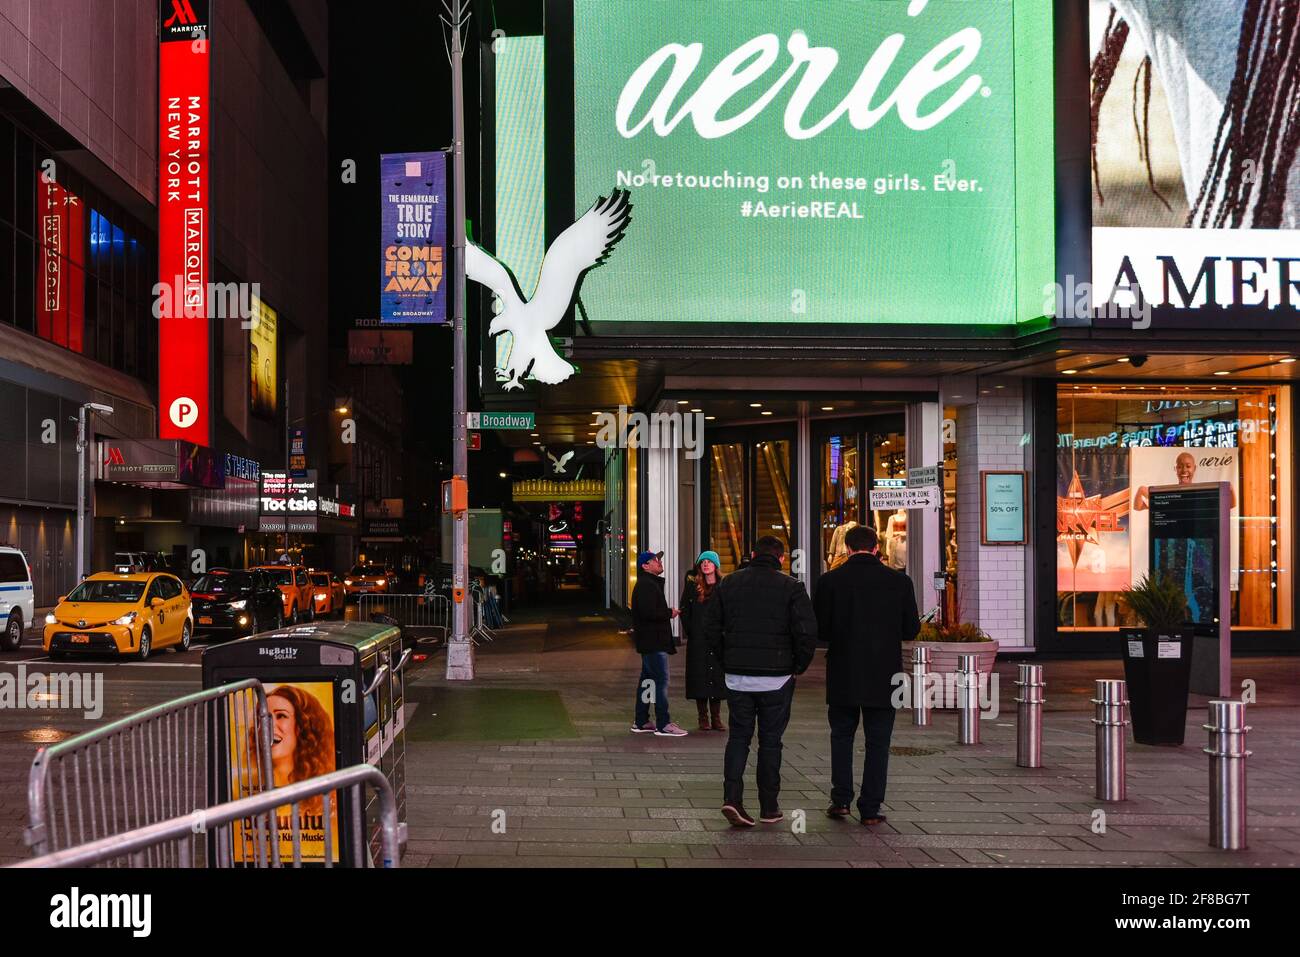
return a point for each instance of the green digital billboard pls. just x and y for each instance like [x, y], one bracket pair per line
[798, 164]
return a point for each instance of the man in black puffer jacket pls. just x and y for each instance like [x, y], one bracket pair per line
[761, 626]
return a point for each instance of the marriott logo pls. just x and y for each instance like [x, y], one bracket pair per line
[183, 19]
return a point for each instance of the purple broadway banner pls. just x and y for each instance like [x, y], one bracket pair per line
[413, 237]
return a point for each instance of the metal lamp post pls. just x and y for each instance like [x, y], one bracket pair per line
[102, 409]
[460, 650]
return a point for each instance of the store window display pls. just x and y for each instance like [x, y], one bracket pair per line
[1116, 442]
[893, 543]
[838, 553]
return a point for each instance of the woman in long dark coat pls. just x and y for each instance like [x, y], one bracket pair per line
[706, 684]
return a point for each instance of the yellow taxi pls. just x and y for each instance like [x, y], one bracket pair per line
[367, 579]
[123, 611]
[328, 593]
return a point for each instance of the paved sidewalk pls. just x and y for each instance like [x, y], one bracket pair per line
[591, 794]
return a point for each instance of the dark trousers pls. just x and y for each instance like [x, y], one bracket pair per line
[877, 726]
[654, 669]
[770, 710]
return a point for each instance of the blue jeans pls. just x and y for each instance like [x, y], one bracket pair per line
[654, 668]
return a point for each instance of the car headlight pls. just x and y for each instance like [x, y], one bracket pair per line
[239, 605]
[127, 619]
[51, 620]
[347, 581]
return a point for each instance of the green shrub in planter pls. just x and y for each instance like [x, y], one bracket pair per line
[965, 631]
[1159, 604]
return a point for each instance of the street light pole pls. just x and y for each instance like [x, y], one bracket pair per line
[81, 480]
[288, 442]
[460, 650]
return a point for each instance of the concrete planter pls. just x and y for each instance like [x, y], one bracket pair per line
[943, 655]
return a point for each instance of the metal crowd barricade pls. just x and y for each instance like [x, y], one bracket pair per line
[479, 622]
[174, 837]
[425, 617]
[151, 766]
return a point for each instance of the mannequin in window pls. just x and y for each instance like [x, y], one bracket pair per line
[950, 531]
[896, 539]
[838, 553]
[1106, 608]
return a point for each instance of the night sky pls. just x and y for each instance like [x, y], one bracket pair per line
[389, 92]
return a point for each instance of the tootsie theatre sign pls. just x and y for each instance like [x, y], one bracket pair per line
[294, 502]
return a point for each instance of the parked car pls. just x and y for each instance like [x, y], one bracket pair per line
[328, 592]
[123, 611]
[17, 597]
[295, 591]
[146, 562]
[234, 603]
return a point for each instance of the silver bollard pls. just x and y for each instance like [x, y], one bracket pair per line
[1029, 716]
[920, 685]
[1112, 739]
[968, 699]
[1228, 754]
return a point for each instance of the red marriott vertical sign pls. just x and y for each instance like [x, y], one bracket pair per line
[184, 221]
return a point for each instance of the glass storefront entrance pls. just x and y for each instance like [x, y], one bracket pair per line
[749, 492]
[750, 489]
[841, 449]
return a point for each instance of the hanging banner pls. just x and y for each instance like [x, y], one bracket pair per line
[184, 221]
[297, 453]
[413, 237]
[263, 350]
[60, 307]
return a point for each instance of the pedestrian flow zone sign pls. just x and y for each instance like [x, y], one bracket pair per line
[501, 420]
[890, 499]
[923, 476]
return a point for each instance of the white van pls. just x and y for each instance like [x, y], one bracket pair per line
[17, 599]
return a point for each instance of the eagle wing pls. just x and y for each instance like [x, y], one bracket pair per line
[583, 246]
[485, 269]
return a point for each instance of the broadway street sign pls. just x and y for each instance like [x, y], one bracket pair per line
[502, 420]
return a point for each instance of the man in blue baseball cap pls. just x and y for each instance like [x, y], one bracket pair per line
[653, 632]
